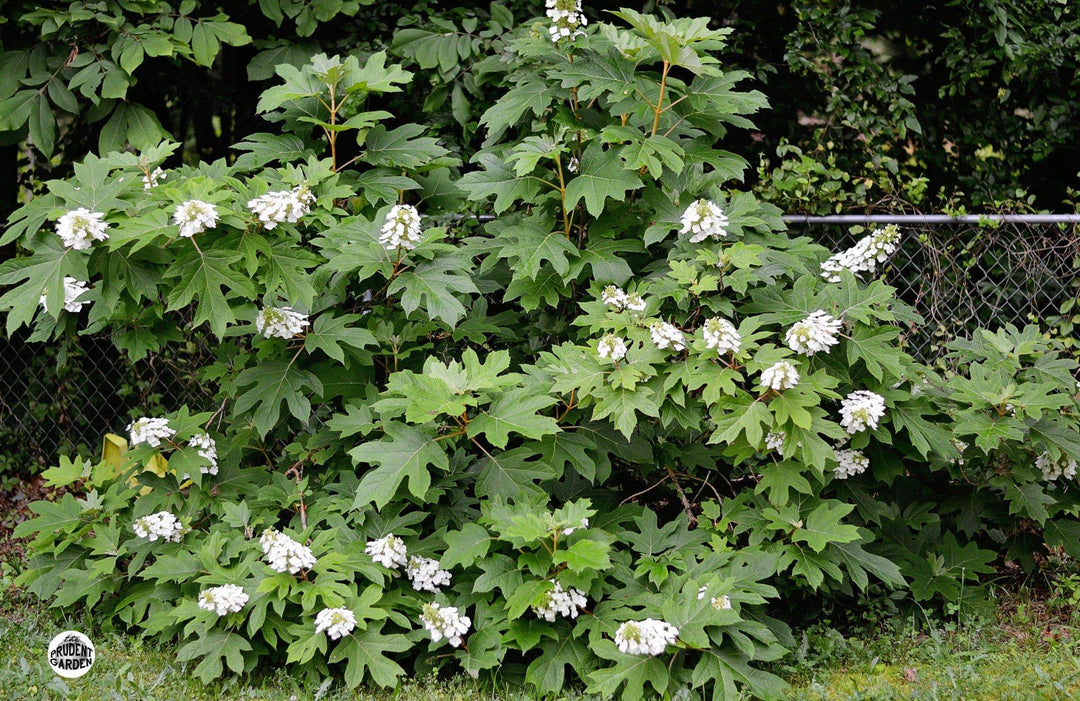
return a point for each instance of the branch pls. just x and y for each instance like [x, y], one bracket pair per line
[682, 497]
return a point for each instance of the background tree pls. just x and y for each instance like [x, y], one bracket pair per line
[962, 102]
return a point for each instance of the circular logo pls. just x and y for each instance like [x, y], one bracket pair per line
[71, 654]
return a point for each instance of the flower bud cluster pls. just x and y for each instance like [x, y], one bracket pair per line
[401, 229]
[284, 554]
[79, 228]
[282, 206]
[704, 219]
[560, 602]
[865, 255]
[73, 289]
[280, 322]
[228, 598]
[861, 410]
[814, 334]
[194, 217]
[161, 525]
[336, 622]
[445, 622]
[851, 463]
[648, 637]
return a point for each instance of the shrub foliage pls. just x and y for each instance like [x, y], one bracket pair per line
[496, 442]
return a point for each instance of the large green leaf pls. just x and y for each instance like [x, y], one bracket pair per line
[404, 147]
[601, 175]
[433, 284]
[405, 452]
[333, 334]
[366, 654]
[511, 474]
[213, 647]
[548, 671]
[514, 412]
[633, 671]
[499, 179]
[272, 383]
[532, 95]
[530, 244]
[823, 526]
[464, 547]
[38, 274]
[201, 276]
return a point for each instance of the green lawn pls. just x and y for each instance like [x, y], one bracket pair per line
[1025, 654]
[1017, 656]
[128, 669]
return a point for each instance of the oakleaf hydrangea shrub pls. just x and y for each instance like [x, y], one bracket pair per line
[602, 439]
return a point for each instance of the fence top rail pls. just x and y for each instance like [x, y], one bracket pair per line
[888, 218]
[932, 218]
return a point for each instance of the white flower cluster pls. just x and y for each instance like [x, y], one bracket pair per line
[228, 598]
[615, 296]
[852, 462]
[336, 622]
[282, 206]
[664, 335]
[648, 637]
[280, 322]
[79, 228]
[560, 602]
[388, 551]
[611, 347]
[780, 376]
[1051, 469]
[720, 603]
[573, 165]
[150, 180]
[704, 219]
[961, 447]
[721, 335]
[150, 431]
[864, 255]
[73, 289]
[445, 622]
[583, 524]
[160, 525]
[814, 334]
[425, 575]
[774, 440]
[567, 19]
[401, 230]
[284, 554]
[206, 447]
[194, 217]
[860, 410]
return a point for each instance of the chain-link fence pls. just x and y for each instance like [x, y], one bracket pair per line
[60, 398]
[963, 275]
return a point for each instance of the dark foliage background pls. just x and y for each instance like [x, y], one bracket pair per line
[961, 103]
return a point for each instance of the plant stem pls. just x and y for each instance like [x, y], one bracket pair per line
[562, 196]
[682, 496]
[331, 134]
[569, 405]
[660, 101]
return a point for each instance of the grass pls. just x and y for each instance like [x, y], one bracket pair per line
[126, 668]
[1031, 650]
